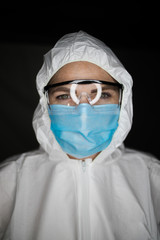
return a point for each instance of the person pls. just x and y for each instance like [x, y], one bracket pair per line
[82, 183]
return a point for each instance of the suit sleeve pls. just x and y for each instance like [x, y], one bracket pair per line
[155, 188]
[8, 180]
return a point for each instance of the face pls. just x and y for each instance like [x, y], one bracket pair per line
[81, 70]
[76, 71]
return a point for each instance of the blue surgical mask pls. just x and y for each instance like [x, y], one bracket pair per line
[84, 130]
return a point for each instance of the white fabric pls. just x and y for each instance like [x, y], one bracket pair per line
[44, 195]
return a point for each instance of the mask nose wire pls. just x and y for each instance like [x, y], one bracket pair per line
[77, 99]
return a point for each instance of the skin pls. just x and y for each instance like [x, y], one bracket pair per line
[81, 70]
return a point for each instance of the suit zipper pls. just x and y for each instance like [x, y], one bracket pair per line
[85, 201]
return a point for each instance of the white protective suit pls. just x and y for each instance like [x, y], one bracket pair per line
[44, 195]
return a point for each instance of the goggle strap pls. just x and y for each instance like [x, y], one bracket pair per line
[73, 93]
[99, 92]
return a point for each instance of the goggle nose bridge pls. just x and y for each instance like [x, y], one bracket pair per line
[77, 99]
[86, 95]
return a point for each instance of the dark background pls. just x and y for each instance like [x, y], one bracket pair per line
[27, 33]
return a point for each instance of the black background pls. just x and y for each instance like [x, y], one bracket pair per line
[27, 33]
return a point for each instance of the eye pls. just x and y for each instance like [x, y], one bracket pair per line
[63, 97]
[105, 95]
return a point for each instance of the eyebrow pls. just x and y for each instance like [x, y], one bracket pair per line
[104, 88]
[110, 87]
[65, 89]
[60, 89]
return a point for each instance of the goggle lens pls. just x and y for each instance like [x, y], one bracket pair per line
[94, 92]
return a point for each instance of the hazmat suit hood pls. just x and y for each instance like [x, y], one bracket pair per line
[72, 47]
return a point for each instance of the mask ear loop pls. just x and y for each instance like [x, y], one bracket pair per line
[47, 98]
[77, 100]
[120, 97]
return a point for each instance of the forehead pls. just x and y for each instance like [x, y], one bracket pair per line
[80, 70]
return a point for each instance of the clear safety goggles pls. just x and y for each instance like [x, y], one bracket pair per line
[74, 92]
